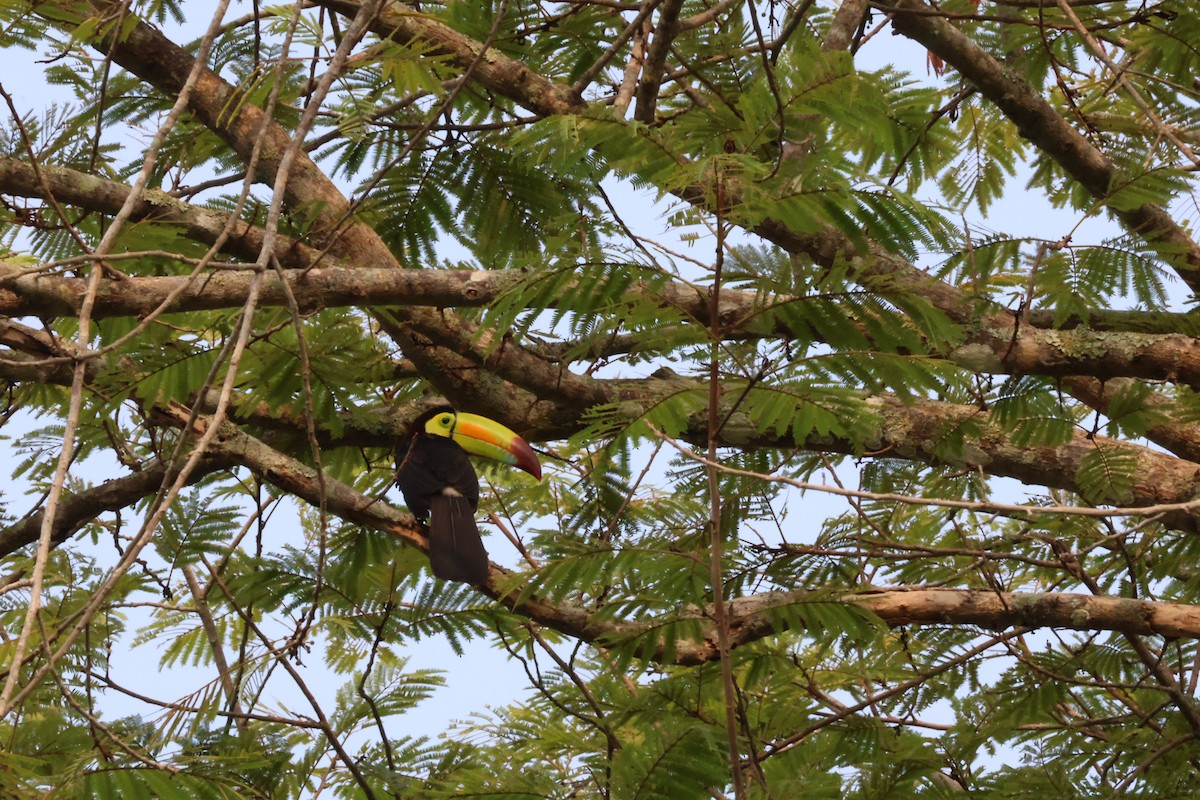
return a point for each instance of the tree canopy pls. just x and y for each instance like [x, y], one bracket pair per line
[855, 487]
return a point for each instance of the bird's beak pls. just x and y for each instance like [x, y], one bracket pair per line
[489, 439]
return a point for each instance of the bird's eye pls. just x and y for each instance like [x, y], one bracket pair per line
[446, 420]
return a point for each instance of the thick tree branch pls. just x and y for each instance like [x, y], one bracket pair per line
[845, 22]
[24, 294]
[994, 347]
[752, 617]
[497, 72]
[665, 30]
[77, 509]
[964, 436]
[195, 222]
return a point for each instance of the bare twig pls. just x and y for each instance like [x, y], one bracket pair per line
[715, 530]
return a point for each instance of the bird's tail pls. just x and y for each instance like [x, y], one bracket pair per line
[456, 551]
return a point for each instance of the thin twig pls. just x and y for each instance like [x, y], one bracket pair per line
[716, 533]
[204, 611]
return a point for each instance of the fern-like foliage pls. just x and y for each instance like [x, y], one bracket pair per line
[823, 337]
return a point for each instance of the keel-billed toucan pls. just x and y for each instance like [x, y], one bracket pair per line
[439, 484]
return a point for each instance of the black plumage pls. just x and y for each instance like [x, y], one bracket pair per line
[441, 489]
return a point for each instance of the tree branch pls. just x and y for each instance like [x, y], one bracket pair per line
[498, 73]
[77, 509]
[752, 617]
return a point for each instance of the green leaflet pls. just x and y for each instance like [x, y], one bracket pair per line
[1106, 475]
[1032, 413]
[194, 527]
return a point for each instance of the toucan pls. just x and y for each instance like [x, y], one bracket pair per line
[441, 488]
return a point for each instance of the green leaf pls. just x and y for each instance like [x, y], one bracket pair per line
[1106, 474]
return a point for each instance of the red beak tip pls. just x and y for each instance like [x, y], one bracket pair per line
[528, 461]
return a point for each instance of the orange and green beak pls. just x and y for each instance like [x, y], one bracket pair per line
[487, 438]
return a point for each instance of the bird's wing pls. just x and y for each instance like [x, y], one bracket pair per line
[431, 464]
[451, 466]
